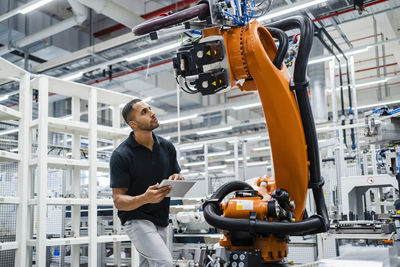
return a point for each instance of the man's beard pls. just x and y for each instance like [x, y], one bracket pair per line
[148, 127]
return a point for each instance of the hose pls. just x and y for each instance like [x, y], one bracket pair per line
[212, 216]
[283, 45]
[300, 82]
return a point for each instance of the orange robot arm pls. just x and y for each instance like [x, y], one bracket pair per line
[251, 220]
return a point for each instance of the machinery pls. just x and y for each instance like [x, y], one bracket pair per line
[237, 51]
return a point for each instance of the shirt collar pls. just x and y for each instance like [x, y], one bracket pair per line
[133, 143]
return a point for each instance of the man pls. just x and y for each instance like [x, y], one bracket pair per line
[137, 167]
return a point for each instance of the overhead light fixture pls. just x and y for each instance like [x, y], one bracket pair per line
[9, 131]
[185, 171]
[72, 76]
[167, 137]
[371, 83]
[147, 99]
[199, 163]
[233, 159]
[34, 6]
[4, 97]
[179, 119]
[379, 104]
[319, 60]
[153, 51]
[215, 130]
[223, 153]
[217, 167]
[191, 147]
[262, 148]
[250, 164]
[358, 51]
[349, 53]
[252, 105]
[104, 148]
[290, 10]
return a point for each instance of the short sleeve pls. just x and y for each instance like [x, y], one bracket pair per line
[174, 160]
[119, 172]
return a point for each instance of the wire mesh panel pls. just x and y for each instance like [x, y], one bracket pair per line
[8, 215]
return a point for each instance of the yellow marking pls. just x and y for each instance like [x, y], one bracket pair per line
[208, 52]
[214, 83]
[215, 52]
[239, 207]
[220, 81]
[398, 212]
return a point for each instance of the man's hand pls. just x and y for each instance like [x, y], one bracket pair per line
[175, 176]
[154, 194]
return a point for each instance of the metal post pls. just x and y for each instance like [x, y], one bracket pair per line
[236, 155]
[338, 135]
[92, 224]
[207, 178]
[178, 111]
[378, 71]
[116, 118]
[24, 150]
[354, 96]
[244, 155]
[42, 172]
[76, 183]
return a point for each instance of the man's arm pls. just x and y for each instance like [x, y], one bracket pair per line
[124, 202]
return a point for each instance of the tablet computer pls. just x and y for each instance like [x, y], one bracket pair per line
[179, 187]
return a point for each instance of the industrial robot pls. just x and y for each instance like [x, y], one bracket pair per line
[236, 51]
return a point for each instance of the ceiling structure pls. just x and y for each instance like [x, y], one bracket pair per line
[89, 42]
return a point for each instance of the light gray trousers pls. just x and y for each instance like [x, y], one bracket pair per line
[150, 241]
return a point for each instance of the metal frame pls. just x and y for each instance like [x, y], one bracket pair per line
[10, 72]
[27, 162]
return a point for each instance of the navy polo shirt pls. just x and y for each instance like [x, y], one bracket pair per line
[136, 167]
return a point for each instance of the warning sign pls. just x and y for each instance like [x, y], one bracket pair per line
[244, 205]
[370, 180]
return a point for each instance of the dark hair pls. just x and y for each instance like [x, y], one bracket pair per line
[129, 108]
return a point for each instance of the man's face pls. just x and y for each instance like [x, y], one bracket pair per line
[143, 118]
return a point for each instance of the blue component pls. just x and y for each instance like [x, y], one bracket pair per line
[56, 252]
[398, 163]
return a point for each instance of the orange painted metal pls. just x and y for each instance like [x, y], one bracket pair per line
[250, 51]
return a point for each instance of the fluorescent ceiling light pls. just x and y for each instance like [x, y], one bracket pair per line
[371, 83]
[223, 153]
[379, 104]
[34, 6]
[9, 131]
[185, 171]
[252, 105]
[233, 159]
[190, 147]
[290, 10]
[199, 163]
[104, 148]
[262, 148]
[4, 97]
[217, 167]
[349, 53]
[249, 164]
[179, 119]
[314, 61]
[215, 130]
[153, 51]
[167, 137]
[73, 76]
[358, 51]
